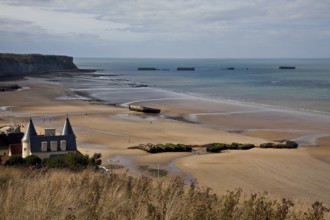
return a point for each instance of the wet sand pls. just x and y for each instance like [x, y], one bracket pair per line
[108, 127]
[290, 173]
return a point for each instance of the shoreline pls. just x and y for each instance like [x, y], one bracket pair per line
[189, 116]
[99, 130]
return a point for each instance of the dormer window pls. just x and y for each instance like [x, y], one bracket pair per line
[50, 131]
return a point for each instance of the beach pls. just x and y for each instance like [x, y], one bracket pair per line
[110, 128]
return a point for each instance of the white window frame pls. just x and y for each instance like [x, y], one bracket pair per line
[63, 145]
[44, 146]
[53, 145]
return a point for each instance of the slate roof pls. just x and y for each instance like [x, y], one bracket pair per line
[13, 138]
[3, 144]
[67, 129]
[30, 131]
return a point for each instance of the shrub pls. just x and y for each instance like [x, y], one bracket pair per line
[56, 162]
[246, 146]
[267, 145]
[284, 144]
[32, 160]
[183, 148]
[73, 161]
[317, 212]
[216, 147]
[212, 148]
[291, 144]
[95, 160]
[15, 161]
[158, 148]
[170, 147]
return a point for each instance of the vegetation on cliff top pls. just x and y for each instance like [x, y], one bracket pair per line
[62, 194]
[33, 58]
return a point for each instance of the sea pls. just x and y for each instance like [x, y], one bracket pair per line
[257, 81]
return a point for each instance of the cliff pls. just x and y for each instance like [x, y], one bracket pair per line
[12, 64]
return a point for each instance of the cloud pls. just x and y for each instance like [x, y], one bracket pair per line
[163, 25]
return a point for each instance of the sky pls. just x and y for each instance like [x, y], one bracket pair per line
[167, 28]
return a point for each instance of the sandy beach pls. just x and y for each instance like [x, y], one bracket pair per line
[109, 128]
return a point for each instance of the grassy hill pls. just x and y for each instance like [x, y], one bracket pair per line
[62, 194]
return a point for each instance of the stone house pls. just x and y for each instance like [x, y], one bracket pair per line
[49, 144]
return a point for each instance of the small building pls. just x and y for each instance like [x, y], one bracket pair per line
[7, 140]
[15, 149]
[49, 144]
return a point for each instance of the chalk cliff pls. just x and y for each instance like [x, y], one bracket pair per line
[11, 64]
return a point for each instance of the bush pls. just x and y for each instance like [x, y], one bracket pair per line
[317, 212]
[56, 162]
[95, 160]
[284, 144]
[73, 161]
[159, 148]
[218, 147]
[246, 146]
[212, 148]
[15, 161]
[170, 147]
[267, 145]
[291, 144]
[183, 148]
[32, 160]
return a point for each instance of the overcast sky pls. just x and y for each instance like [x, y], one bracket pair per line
[167, 28]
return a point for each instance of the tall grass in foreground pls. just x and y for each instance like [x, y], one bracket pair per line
[60, 194]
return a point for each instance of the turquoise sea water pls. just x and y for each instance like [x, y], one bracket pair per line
[253, 80]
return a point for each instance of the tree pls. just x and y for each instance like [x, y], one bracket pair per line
[95, 160]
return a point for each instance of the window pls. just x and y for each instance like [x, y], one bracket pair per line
[44, 146]
[63, 145]
[53, 145]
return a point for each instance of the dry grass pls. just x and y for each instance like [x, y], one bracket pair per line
[59, 194]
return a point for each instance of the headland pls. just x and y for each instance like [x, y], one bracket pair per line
[18, 65]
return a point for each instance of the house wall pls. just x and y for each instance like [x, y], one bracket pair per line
[4, 152]
[36, 143]
[43, 155]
